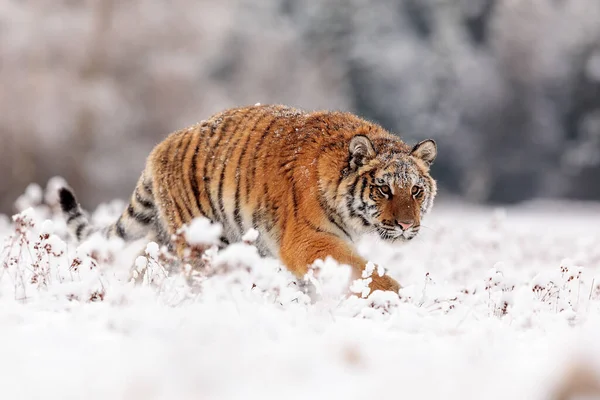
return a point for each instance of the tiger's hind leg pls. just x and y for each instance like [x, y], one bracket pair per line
[140, 218]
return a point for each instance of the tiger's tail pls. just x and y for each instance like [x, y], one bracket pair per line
[136, 222]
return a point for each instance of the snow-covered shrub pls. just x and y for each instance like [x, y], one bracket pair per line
[485, 294]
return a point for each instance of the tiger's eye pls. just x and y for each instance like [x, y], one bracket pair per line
[385, 190]
[416, 190]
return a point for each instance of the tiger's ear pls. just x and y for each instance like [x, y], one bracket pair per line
[425, 150]
[361, 151]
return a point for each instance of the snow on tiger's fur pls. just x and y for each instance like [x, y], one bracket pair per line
[311, 183]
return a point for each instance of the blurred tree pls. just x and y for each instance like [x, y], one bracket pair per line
[508, 89]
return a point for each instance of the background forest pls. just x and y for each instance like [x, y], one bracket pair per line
[509, 89]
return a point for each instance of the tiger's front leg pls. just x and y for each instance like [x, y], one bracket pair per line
[298, 252]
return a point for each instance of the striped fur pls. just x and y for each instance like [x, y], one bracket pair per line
[310, 183]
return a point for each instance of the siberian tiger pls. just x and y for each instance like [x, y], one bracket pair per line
[310, 183]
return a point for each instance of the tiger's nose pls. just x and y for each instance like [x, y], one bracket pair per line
[405, 224]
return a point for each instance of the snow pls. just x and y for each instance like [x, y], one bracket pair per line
[250, 236]
[152, 250]
[201, 231]
[496, 304]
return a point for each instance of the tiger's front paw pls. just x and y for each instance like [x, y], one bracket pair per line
[384, 282]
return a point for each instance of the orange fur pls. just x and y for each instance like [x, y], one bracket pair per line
[310, 183]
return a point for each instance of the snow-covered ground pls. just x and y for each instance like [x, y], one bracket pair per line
[497, 304]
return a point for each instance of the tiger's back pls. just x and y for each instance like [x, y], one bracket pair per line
[228, 169]
[291, 175]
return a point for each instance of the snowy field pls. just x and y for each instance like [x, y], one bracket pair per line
[496, 304]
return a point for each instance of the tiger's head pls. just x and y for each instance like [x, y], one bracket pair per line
[388, 191]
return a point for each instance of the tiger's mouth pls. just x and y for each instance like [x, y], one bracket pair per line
[395, 234]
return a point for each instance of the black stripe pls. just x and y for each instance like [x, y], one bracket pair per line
[255, 216]
[72, 217]
[143, 202]
[329, 211]
[266, 218]
[250, 177]
[195, 189]
[79, 230]
[269, 211]
[343, 175]
[362, 207]
[287, 167]
[230, 150]
[312, 226]
[162, 235]
[142, 218]
[331, 214]
[205, 178]
[355, 188]
[237, 216]
[352, 187]
[317, 228]
[178, 159]
[211, 160]
[243, 117]
[259, 212]
[294, 200]
[284, 220]
[363, 186]
[120, 231]
[171, 167]
[190, 175]
[350, 194]
[165, 169]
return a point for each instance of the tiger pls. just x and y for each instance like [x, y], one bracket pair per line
[311, 183]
